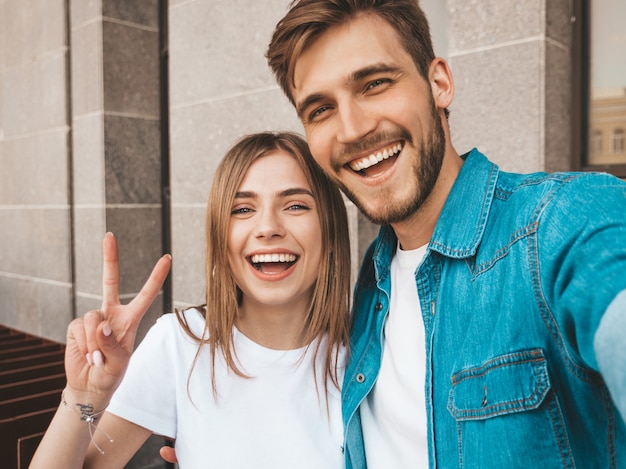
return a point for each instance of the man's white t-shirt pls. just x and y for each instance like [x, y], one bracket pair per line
[393, 415]
[274, 419]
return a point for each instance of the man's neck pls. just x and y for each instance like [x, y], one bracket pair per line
[417, 230]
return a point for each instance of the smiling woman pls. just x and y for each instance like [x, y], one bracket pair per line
[251, 378]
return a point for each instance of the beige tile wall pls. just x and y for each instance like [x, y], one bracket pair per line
[80, 152]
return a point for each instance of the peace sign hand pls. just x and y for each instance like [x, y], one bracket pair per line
[99, 344]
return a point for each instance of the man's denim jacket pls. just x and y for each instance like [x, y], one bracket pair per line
[525, 323]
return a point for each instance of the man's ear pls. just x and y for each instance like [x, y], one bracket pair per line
[441, 83]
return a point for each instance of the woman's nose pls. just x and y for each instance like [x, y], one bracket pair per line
[269, 225]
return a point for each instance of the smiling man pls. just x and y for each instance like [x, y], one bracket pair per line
[489, 312]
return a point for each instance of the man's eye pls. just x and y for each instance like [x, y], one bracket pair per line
[378, 82]
[318, 112]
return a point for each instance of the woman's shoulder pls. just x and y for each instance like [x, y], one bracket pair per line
[190, 320]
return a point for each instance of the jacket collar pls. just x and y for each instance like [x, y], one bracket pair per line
[462, 222]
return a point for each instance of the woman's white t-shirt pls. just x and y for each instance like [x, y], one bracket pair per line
[274, 419]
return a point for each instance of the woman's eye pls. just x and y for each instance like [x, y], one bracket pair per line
[297, 207]
[240, 211]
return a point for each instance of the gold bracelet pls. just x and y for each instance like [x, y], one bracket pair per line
[88, 415]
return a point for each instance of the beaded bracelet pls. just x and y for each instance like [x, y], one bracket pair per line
[88, 415]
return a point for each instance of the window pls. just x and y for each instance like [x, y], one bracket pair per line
[600, 42]
[596, 143]
[618, 141]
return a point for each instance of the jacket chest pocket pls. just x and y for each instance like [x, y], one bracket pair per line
[509, 383]
[505, 414]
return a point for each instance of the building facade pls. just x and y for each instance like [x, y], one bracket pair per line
[115, 113]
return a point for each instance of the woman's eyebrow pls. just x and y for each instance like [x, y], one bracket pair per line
[283, 193]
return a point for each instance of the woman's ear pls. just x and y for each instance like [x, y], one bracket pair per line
[441, 83]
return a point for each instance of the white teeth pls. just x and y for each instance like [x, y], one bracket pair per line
[261, 258]
[375, 158]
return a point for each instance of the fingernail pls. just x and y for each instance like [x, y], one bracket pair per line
[89, 360]
[109, 233]
[97, 359]
[106, 330]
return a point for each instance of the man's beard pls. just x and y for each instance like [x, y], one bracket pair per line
[427, 171]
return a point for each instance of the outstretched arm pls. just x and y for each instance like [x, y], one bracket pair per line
[99, 346]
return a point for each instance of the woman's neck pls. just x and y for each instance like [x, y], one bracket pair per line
[272, 327]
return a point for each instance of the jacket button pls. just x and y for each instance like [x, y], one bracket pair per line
[379, 306]
[360, 378]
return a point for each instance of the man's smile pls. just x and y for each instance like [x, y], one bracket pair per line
[366, 165]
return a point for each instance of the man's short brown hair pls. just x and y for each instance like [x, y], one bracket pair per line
[306, 20]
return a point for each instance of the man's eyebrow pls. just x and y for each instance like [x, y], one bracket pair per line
[308, 101]
[354, 77]
[365, 72]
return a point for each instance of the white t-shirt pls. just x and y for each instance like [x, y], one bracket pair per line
[275, 419]
[394, 414]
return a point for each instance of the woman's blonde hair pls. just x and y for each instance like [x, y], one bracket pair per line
[329, 309]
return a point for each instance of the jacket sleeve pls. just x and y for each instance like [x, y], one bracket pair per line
[584, 261]
[610, 348]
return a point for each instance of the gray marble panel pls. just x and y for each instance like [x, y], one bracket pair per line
[131, 69]
[15, 32]
[56, 310]
[155, 311]
[4, 36]
[88, 160]
[558, 116]
[559, 21]
[10, 299]
[16, 224]
[188, 255]
[144, 12]
[200, 135]
[86, 61]
[482, 23]
[84, 303]
[19, 303]
[39, 241]
[50, 24]
[140, 243]
[35, 306]
[132, 160]
[82, 11]
[89, 229]
[139, 239]
[7, 169]
[15, 101]
[217, 48]
[34, 95]
[34, 169]
[498, 105]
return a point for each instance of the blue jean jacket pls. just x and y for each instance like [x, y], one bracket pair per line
[525, 323]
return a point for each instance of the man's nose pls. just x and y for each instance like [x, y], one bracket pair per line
[355, 122]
